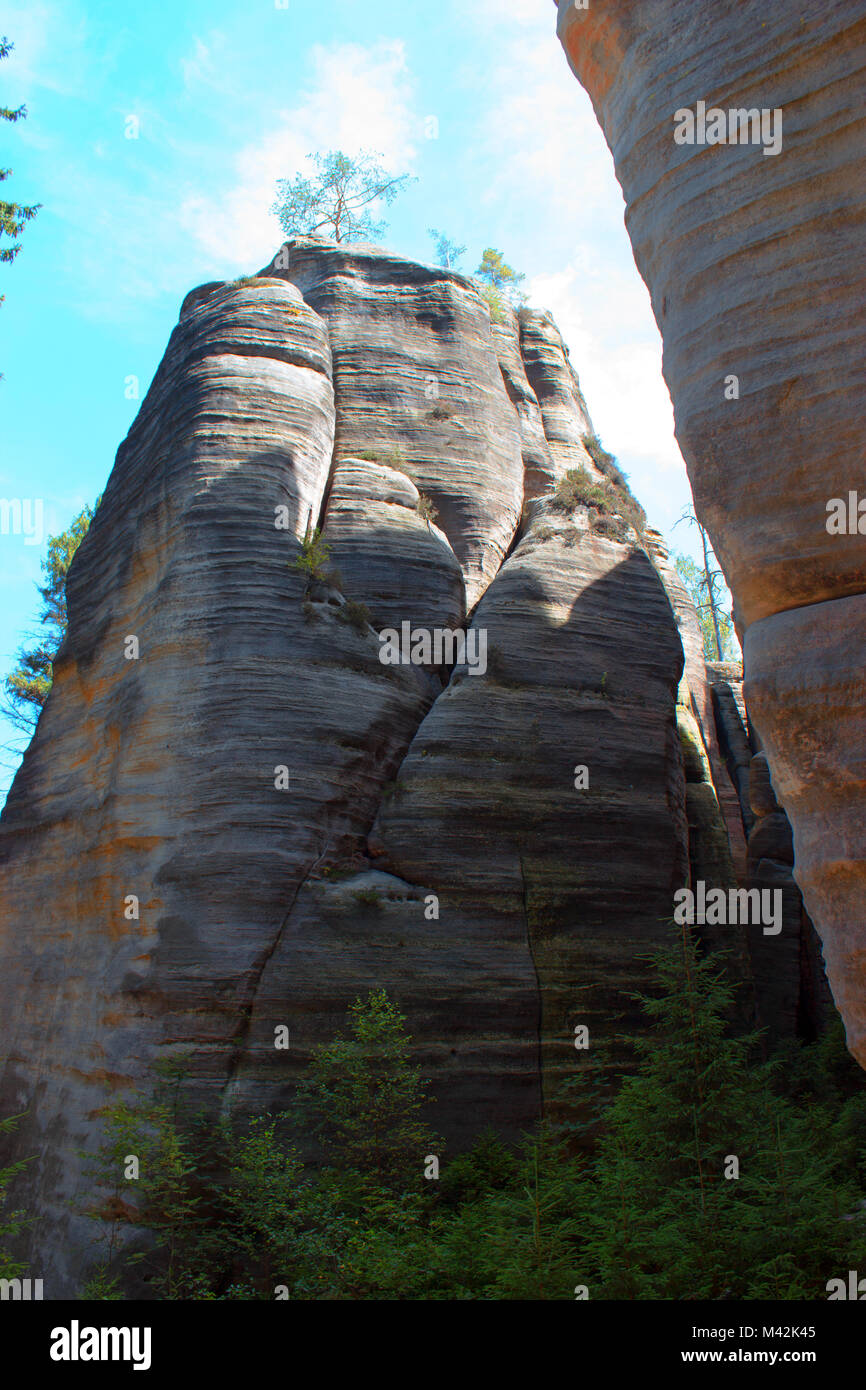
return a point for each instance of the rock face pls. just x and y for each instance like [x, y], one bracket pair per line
[755, 268]
[234, 815]
[418, 383]
[791, 992]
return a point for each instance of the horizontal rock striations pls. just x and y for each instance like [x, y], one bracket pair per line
[752, 252]
[418, 384]
[234, 816]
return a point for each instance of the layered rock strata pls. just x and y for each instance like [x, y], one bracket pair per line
[235, 816]
[752, 253]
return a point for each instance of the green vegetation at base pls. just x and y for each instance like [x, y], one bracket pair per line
[711, 1173]
[12, 1222]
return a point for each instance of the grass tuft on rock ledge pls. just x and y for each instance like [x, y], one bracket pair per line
[356, 615]
[609, 498]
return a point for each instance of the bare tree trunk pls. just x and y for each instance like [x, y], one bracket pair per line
[711, 591]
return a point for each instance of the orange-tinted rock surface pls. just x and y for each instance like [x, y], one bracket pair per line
[755, 267]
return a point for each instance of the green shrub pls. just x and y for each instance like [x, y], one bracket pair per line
[578, 489]
[638, 1203]
[425, 508]
[356, 615]
[12, 1223]
[498, 305]
[614, 528]
[314, 556]
[395, 458]
[368, 897]
[605, 462]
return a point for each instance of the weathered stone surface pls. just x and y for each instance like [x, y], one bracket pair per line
[557, 390]
[697, 698]
[691, 635]
[811, 719]
[539, 470]
[389, 557]
[771, 838]
[164, 776]
[712, 227]
[156, 777]
[762, 798]
[755, 269]
[415, 372]
[791, 994]
[573, 883]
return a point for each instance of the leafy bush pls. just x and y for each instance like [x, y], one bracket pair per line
[395, 458]
[604, 462]
[578, 488]
[498, 305]
[612, 527]
[425, 508]
[314, 556]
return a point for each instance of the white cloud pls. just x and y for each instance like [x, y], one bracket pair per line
[199, 67]
[620, 376]
[359, 98]
[49, 50]
[552, 164]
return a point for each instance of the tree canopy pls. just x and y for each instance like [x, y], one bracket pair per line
[27, 686]
[339, 199]
[496, 274]
[13, 216]
[448, 252]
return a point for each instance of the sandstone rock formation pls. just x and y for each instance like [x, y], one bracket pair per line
[791, 992]
[233, 815]
[755, 269]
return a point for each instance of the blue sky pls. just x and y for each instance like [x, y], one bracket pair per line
[475, 100]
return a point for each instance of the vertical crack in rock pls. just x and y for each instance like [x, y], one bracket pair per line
[259, 968]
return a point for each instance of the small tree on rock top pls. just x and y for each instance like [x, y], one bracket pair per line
[448, 252]
[339, 200]
[495, 274]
